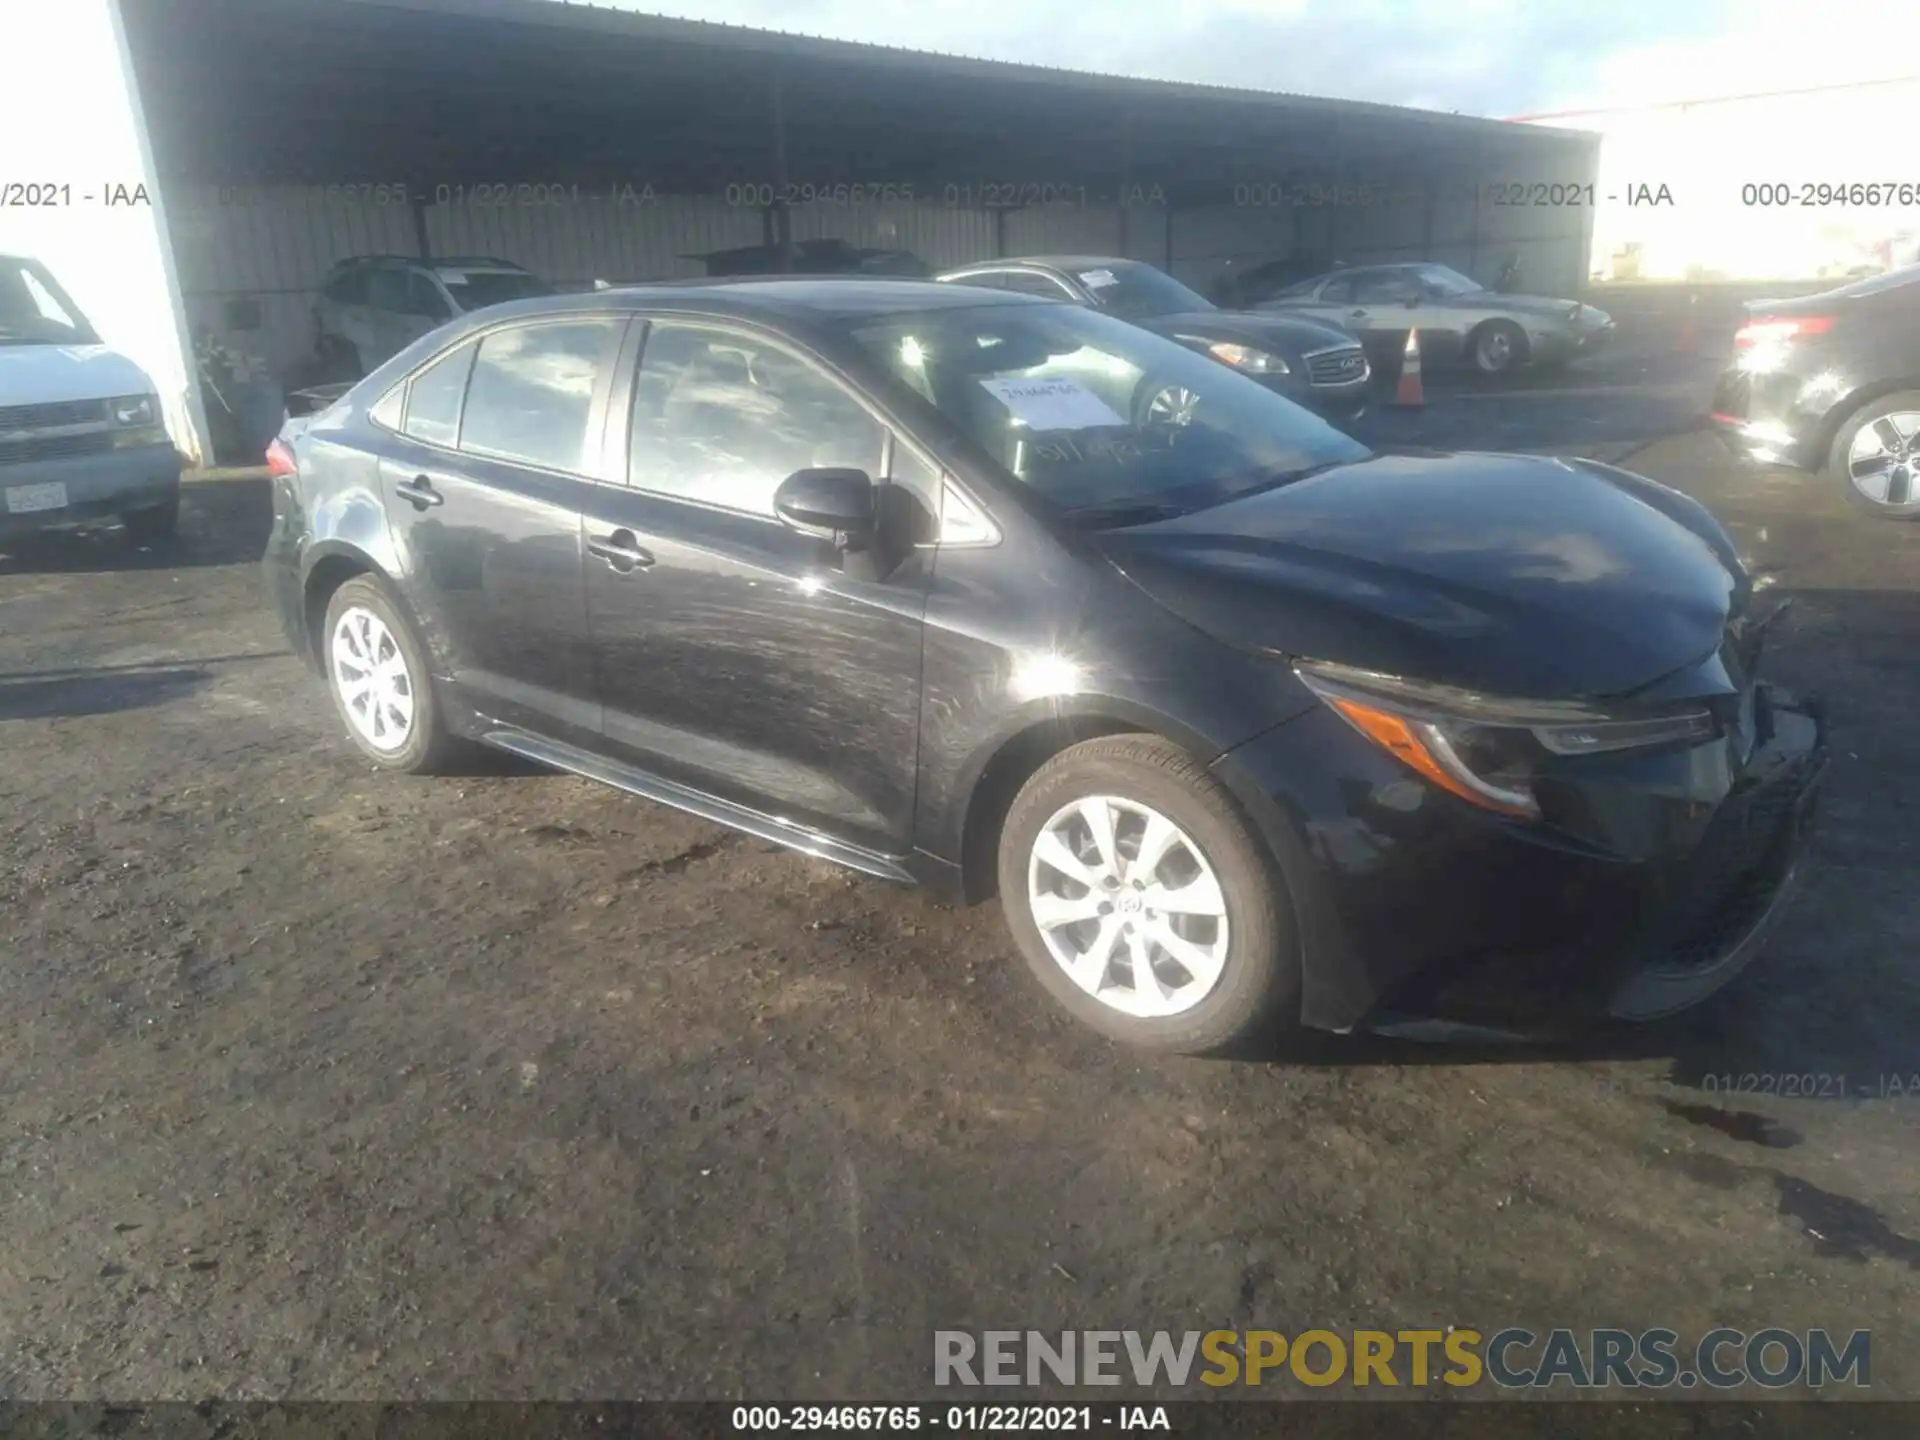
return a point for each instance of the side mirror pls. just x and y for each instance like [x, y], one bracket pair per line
[829, 504]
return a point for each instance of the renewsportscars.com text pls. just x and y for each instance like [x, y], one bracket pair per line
[1512, 1358]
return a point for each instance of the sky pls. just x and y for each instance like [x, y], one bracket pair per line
[1501, 58]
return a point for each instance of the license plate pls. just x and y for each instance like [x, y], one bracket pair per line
[25, 499]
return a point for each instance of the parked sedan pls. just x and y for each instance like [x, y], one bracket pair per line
[1319, 366]
[1831, 383]
[1247, 726]
[1460, 321]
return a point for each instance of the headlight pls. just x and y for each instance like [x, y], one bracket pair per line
[1485, 750]
[135, 410]
[1244, 358]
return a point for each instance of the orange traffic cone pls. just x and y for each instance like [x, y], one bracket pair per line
[1409, 391]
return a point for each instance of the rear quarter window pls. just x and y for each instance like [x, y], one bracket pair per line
[435, 397]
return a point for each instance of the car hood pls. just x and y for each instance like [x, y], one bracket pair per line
[1507, 574]
[1289, 335]
[45, 374]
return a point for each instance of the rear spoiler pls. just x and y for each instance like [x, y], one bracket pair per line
[314, 399]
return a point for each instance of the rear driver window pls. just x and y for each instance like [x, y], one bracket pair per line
[532, 391]
[433, 399]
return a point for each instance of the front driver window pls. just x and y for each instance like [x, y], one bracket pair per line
[424, 299]
[1391, 287]
[724, 419]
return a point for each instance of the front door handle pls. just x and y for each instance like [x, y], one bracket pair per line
[622, 551]
[419, 492]
[1358, 314]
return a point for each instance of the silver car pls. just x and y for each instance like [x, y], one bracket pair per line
[372, 307]
[1460, 321]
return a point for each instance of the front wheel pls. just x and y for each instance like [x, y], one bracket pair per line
[378, 675]
[1498, 348]
[1142, 901]
[1876, 457]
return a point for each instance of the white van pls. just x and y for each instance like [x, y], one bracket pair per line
[81, 433]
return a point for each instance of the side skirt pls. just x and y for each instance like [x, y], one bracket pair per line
[698, 802]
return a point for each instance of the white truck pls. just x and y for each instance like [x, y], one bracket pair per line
[82, 438]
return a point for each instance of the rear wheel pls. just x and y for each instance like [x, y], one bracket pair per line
[1142, 901]
[378, 675]
[1498, 347]
[1164, 404]
[1876, 457]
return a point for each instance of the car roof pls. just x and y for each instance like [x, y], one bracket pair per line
[1051, 262]
[797, 297]
[438, 262]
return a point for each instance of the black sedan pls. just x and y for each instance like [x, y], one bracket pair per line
[1320, 366]
[1831, 383]
[1247, 726]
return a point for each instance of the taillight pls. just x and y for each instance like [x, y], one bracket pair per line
[1781, 331]
[280, 459]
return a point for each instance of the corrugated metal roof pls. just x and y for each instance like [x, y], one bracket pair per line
[721, 33]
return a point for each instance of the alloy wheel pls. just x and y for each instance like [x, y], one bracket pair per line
[375, 686]
[1496, 350]
[1883, 457]
[1128, 906]
[1173, 406]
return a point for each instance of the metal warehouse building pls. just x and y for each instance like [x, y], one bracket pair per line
[200, 164]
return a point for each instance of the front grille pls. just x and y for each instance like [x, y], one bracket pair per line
[55, 447]
[53, 416]
[1337, 367]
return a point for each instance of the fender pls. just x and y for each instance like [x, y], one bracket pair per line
[359, 535]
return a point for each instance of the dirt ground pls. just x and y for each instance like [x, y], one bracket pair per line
[317, 1083]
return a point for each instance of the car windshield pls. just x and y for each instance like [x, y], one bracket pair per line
[34, 310]
[1445, 281]
[476, 289]
[1110, 422]
[1300, 287]
[1136, 292]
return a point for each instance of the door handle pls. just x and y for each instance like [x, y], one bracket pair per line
[1357, 314]
[622, 551]
[419, 492]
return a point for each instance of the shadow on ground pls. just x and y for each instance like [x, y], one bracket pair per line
[222, 522]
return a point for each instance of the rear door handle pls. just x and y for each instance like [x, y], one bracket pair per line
[622, 551]
[1359, 314]
[419, 492]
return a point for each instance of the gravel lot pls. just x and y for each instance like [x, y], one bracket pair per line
[319, 1083]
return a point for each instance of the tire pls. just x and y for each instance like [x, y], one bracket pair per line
[1161, 403]
[1256, 985]
[1863, 439]
[153, 524]
[425, 747]
[1498, 347]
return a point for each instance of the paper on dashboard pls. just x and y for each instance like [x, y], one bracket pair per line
[1053, 404]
